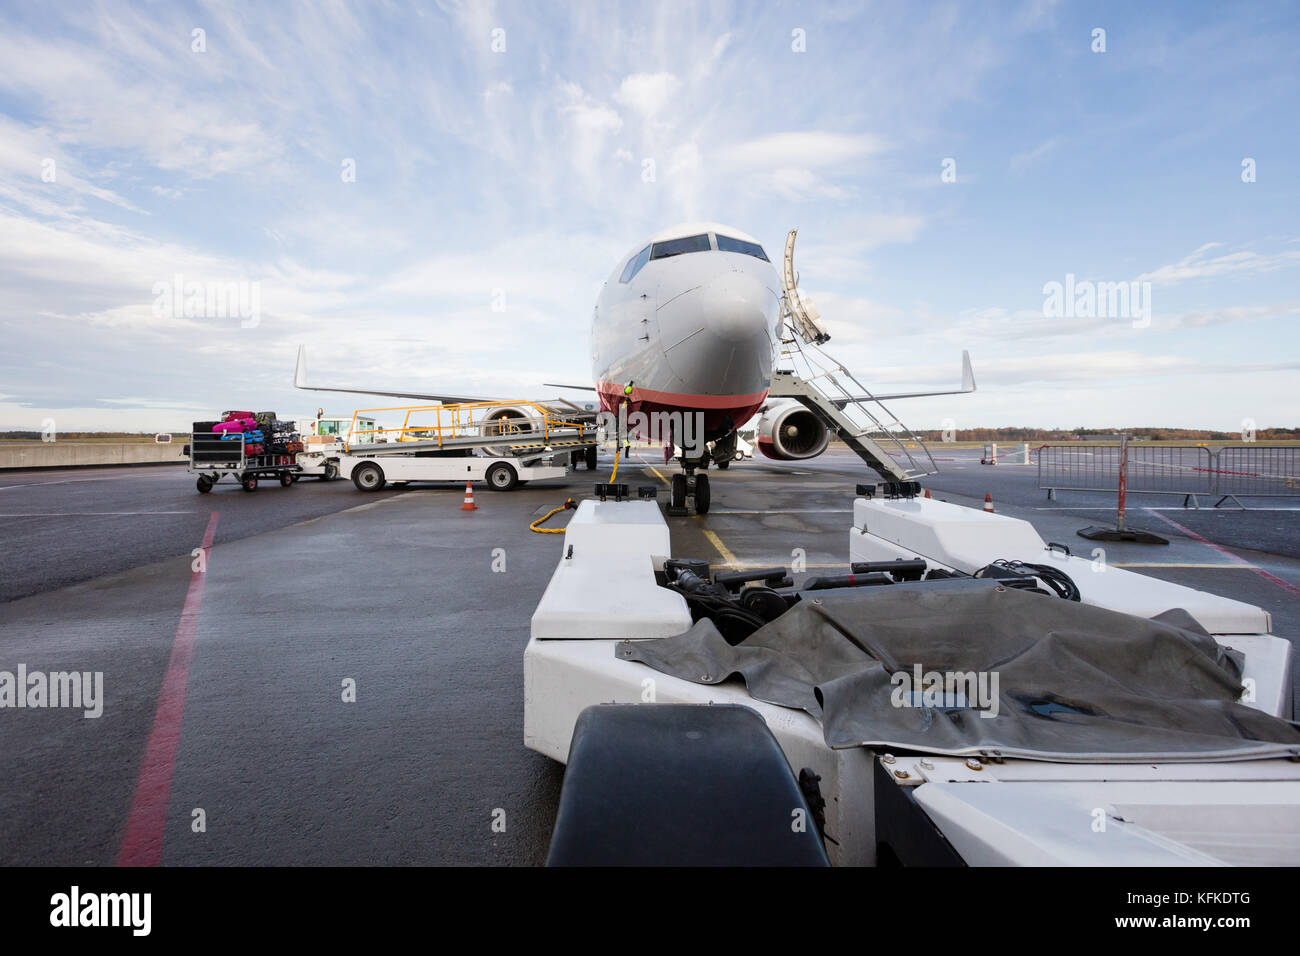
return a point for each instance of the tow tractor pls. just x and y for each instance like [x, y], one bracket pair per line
[719, 704]
[460, 442]
[324, 439]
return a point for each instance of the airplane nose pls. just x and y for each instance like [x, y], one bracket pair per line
[738, 307]
[720, 337]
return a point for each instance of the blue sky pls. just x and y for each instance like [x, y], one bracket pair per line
[515, 178]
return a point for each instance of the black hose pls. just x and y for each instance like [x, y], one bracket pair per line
[1061, 584]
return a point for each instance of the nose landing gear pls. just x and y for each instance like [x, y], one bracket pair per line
[689, 485]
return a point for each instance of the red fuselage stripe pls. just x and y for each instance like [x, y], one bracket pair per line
[612, 394]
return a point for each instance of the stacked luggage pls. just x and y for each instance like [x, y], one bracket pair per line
[243, 426]
[247, 444]
[282, 437]
[261, 432]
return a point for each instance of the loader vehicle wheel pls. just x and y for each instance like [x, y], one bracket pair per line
[368, 477]
[502, 477]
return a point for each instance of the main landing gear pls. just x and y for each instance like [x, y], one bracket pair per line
[584, 456]
[690, 485]
[723, 451]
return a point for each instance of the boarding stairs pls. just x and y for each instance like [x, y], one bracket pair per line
[829, 390]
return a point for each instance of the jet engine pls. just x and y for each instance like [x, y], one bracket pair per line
[514, 422]
[791, 432]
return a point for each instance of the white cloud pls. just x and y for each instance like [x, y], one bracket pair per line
[797, 183]
[811, 149]
[84, 89]
[720, 46]
[1240, 313]
[592, 118]
[648, 93]
[1029, 157]
[1199, 266]
[26, 154]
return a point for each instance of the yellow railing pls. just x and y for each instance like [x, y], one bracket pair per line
[464, 420]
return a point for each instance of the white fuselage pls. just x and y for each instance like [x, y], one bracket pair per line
[694, 331]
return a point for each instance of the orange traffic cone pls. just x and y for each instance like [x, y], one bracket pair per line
[469, 498]
[988, 502]
[927, 493]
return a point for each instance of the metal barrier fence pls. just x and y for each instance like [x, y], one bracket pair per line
[1225, 472]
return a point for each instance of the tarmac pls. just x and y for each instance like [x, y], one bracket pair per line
[343, 682]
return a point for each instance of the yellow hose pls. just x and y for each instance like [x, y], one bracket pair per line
[569, 504]
[627, 390]
[564, 507]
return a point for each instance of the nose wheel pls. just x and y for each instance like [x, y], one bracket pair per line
[689, 486]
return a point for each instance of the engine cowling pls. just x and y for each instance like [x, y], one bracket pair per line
[791, 433]
[513, 422]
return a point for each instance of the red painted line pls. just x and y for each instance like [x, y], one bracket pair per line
[143, 843]
[1284, 585]
[1221, 471]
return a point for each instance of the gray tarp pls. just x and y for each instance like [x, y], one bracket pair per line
[1075, 682]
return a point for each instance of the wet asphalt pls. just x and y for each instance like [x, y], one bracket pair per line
[425, 609]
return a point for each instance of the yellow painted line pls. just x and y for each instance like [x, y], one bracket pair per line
[1158, 564]
[658, 474]
[722, 548]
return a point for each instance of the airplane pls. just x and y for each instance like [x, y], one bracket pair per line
[689, 323]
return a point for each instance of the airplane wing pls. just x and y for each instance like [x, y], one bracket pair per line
[967, 385]
[300, 381]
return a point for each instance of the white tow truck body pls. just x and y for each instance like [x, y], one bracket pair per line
[992, 811]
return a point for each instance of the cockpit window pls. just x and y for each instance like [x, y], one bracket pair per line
[676, 247]
[642, 258]
[634, 265]
[727, 244]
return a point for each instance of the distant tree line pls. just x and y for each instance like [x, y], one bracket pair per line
[1077, 434]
